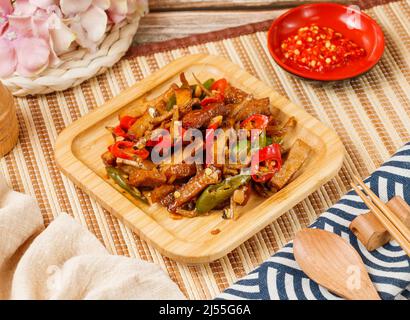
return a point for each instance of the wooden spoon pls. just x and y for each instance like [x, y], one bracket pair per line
[334, 264]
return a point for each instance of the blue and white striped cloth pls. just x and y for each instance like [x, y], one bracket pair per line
[280, 277]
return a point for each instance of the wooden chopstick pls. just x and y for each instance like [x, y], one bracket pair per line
[385, 209]
[393, 230]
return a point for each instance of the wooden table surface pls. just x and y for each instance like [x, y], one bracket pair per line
[170, 19]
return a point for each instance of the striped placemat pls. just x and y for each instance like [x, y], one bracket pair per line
[371, 114]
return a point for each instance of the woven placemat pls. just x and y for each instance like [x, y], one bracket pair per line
[371, 114]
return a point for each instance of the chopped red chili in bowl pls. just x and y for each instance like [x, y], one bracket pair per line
[320, 49]
[346, 27]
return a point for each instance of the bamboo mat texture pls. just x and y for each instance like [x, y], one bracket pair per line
[371, 114]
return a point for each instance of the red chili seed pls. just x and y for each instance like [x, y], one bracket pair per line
[320, 49]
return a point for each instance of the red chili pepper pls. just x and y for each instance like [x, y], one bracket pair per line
[183, 131]
[142, 153]
[209, 138]
[273, 159]
[119, 132]
[125, 150]
[216, 98]
[212, 127]
[209, 134]
[256, 121]
[152, 143]
[220, 85]
[126, 122]
[118, 149]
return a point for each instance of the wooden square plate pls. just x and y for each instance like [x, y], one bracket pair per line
[78, 150]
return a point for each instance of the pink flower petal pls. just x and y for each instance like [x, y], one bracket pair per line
[72, 7]
[61, 35]
[116, 18]
[118, 10]
[54, 59]
[81, 37]
[43, 4]
[94, 22]
[103, 4]
[55, 9]
[36, 26]
[119, 7]
[24, 8]
[33, 55]
[4, 23]
[8, 59]
[21, 25]
[40, 27]
[5, 7]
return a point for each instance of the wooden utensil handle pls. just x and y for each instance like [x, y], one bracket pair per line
[8, 121]
[371, 233]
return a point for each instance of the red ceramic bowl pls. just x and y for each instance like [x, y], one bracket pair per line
[353, 24]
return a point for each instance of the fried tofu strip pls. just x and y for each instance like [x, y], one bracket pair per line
[179, 171]
[234, 95]
[285, 129]
[138, 108]
[254, 106]
[193, 187]
[108, 159]
[161, 192]
[146, 178]
[200, 118]
[298, 154]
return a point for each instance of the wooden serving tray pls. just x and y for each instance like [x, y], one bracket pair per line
[78, 150]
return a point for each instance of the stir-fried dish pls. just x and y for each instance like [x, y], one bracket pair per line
[202, 147]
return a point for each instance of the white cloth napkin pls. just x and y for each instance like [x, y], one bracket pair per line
[65, 261]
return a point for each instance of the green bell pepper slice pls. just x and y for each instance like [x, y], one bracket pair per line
[118, 178]
[172, 101]
[263, 140]
[216, 194]
[208, 83]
